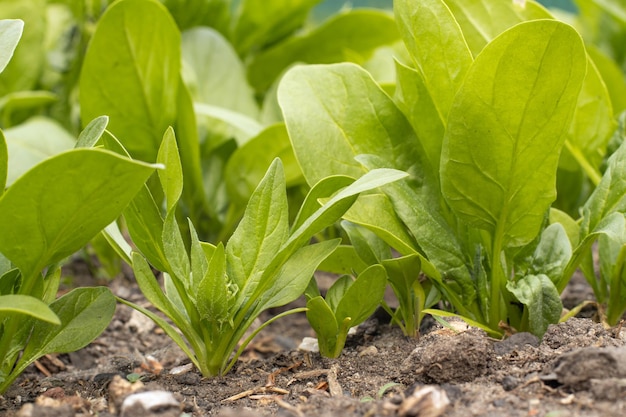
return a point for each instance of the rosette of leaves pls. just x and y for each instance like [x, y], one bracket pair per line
[214, 293]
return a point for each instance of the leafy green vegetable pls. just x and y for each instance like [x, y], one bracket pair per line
[348, 303]
[482, 144]
[213, 294]
[47, 214]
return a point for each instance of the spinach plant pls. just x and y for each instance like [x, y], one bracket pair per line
[479, 119]
[214, 293]
[348, 303]
[47, 214]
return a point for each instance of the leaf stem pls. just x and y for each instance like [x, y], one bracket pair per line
[584, 163]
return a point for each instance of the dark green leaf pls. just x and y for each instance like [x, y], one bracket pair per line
[539, 295]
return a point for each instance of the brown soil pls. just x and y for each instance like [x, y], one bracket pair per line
[578, 369]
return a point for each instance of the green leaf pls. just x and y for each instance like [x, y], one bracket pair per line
[322, 189]
[437, 46]
[26, 148]
[612, 77]
[145, 225]
[363, 297]
[213, 291]
[28, 306]
[376, 212]
[552, 254]
[350, 36]
[259, 23]
[171, 177]
[56, 207]
[222, 124]
[541, 298]
[175, 251]
[4, 163]
[295, 274]
[214, 73]
[84, 314]
[336, 112]
[592, 125]
[520, 114]
[198, 258]
[24, 69]
[368, 245]
[322, 320]
[10, 34]
[334, 208]
[416, 102]
[262, 231]
[248, 164]
[344, 260]
[131, 73]
[610, 194]
[190, 13]
[92, 133]
[337, 291]
[483, 20]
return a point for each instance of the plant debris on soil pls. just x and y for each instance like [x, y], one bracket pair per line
[133, 369]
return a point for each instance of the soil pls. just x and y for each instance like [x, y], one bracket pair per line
[578, 369]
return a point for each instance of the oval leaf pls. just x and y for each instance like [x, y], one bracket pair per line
[56, 207]
[507, 127]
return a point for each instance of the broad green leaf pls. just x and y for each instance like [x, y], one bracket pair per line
[92, 133]
[25, 66]
[322, 320]
[249, 162]
[10, 34]
[262, 231]
[541, 298]
[222, 124]
[258, 23]
[363, 297]
[56, 207]
[28, 306]
[84, 314]
[336, 291]
[506, 129]
[336, 112]
[437, 46]
[131, 73]
[571, 227]
[350, 36]
[610, 194]
[190, 13]
[295, 274]
[171, 177]
[376, 212]
[414, 99]
[33, 141]
[368, 245]
[344, 260]
[592, 125]
[213, 292]
[4, 162]
[214, 73]
[434, 236]
[553, 253]
[483, 20]
[612, 77]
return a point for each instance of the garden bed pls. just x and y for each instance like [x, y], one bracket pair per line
[570, 373]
